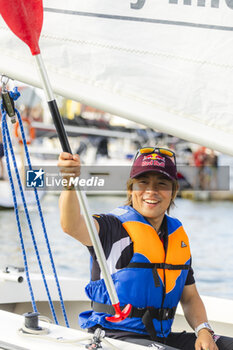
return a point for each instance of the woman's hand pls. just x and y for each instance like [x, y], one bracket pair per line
[69, 165]
[72, 222]
[205, 341]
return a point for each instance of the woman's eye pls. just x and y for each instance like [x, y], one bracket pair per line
[163, 184]
[142, 181]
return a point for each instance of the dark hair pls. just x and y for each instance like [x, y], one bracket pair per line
[175, 188]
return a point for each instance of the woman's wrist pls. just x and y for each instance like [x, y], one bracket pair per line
[205, 327]
[204, 330]
[69, 187]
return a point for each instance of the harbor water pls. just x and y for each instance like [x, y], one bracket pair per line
[209, 226]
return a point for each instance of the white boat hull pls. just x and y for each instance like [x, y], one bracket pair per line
[12, 339]
[15, 298]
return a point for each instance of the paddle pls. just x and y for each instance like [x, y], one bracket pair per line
[25, 19]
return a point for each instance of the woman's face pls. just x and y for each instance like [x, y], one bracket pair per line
[151, 196]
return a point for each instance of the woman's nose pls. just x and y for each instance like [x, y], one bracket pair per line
[152, 188]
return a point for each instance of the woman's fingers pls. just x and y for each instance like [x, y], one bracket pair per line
[69, 164]
[65, 156]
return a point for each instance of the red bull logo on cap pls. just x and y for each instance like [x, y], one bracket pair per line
[154, 156]
[153, 159]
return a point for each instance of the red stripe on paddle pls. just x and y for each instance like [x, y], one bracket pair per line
[25, 19]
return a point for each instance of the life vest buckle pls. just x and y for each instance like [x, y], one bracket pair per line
[165, 314]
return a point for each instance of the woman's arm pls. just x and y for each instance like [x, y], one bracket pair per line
[195, 314]
[72, 221]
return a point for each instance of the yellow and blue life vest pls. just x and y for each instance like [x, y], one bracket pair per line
[152, 282]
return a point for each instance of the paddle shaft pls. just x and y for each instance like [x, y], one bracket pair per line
[81, 195]
[57, 120]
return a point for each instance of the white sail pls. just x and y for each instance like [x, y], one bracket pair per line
[163, 63]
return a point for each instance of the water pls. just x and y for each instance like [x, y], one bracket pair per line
[208, 224]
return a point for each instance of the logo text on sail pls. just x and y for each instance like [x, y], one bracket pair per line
[139, 4]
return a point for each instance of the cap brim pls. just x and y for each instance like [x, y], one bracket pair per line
[154, 171]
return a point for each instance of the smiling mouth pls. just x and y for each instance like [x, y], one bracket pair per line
[151, 201]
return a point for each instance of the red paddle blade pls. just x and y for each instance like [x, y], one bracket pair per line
[24, 18]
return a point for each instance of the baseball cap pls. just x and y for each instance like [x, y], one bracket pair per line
[156, 162]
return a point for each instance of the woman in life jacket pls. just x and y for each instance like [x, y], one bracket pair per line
[148, 256]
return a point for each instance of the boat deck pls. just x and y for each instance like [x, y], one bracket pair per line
[15, 298]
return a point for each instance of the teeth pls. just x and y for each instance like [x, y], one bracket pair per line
[150, 201]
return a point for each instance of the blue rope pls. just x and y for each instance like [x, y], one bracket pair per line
[4, 129]
[42, 221]
[29, 220]
[14, 95]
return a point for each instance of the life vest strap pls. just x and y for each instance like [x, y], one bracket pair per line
[160, 314]
[158, 266]
[155, 266]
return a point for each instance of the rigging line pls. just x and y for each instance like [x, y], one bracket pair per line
[4, 131]
[27, 213]
[43, 224]
[31, 230]
[44, 231]
[140, 19]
